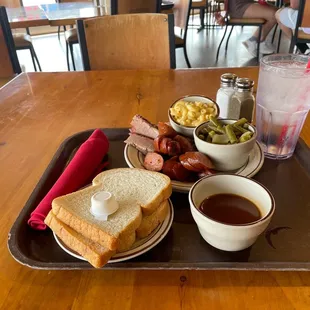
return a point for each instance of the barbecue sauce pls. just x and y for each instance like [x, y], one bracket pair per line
[230, 209]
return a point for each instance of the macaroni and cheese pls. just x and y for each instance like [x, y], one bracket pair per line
[192, 114]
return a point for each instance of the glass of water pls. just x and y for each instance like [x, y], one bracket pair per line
[282, 103]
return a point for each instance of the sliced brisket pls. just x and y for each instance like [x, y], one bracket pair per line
[143, 144]
[142, 126]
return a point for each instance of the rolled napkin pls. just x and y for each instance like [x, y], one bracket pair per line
[82, 168]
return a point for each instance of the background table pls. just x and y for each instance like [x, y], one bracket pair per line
[68, 13]
[37, 112]
[30, 16]
[58, 14]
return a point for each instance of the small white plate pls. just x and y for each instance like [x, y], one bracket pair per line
[135, 158]
[139, 247]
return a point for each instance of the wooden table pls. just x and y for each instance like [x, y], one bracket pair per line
[52, 14]
[68, 12]
[58, 14]
[37, 112]
[23, 17]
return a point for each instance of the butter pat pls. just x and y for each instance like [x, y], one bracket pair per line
[103, 204]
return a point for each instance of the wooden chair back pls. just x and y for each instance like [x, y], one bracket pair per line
[304, 14]
[181, 12]
[10, 3]
[68, 1]
[135, 6]
[127, 41]
[9, 64]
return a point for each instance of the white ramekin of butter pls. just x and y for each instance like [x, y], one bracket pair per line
[188, 112]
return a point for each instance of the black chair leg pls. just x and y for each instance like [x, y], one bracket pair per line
[279, 41]
[218, 49]
[36, 58]
[202, 18]
[274, 33]
[258, 43]
[186, 57]
[67, 56]
[72, 56]
[58, 32]
[226, 46]
[32, 57]
[292, 45]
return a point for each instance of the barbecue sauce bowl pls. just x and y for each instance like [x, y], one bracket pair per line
[219, 229]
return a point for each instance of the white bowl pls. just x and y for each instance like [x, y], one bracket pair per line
[189, 130]
[230, 237]
[225, 157]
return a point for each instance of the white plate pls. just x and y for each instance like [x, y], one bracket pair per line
[139, 247]
[135, 158]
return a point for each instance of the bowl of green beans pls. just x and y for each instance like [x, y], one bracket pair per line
[226, 142]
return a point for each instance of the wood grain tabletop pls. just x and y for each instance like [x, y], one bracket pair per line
[37, 112]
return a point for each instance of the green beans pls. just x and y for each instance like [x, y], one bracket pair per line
[212, 133]
[220, 139]
[219, 133]
[214, 121]
[218, 129]
[246, 136]
[239, 128]
[230, 134]
[241, 122]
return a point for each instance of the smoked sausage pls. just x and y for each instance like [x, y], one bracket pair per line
[185, 143]
[195, 161]
[153, 162]
[166, 130]
[174, 170]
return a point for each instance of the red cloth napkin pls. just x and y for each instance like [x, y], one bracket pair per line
[86, 163]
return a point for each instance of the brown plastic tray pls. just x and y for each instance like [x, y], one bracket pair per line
[284, 246]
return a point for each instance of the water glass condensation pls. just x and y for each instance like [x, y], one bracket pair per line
[282, 103]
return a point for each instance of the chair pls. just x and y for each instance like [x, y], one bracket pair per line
[23, 40]
[71, 37]
[303, 21]
[135, 6]
[63, 1]
[117, 7]
[200, 5]
[9, 65]
[181, 12]
[127, 41]
[258, 22]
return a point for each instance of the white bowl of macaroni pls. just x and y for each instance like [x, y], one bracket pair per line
[188, 112]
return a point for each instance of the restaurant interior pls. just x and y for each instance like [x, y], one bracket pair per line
[164, 142]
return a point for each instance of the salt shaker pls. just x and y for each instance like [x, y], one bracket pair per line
[224, 94]
[243, 99]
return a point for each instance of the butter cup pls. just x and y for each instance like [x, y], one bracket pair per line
[103, 204]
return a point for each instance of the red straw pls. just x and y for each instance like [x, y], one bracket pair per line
[308, 65]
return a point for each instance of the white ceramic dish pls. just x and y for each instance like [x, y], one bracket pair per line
[139, 247]
[230, 237]
[226, 157]
[187, 130]
[134, 159]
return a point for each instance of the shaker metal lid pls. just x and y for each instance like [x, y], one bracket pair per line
[228, 78]
[244, 83]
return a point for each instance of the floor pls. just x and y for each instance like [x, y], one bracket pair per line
[201, 47]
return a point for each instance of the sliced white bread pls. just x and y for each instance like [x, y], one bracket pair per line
[150, 222]
[74, 210]
[145, 188]
[126, 241]
[95, 254]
